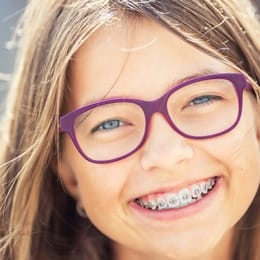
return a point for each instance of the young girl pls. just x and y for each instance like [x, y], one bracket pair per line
[132, 132]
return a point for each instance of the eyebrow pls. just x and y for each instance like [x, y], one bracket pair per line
[169, 86]
[189, 77]
[173, 83]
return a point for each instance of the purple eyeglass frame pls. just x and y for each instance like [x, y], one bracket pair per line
[149, 108]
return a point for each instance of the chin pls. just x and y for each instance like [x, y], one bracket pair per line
[196, 247]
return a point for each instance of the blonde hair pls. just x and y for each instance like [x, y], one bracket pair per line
[37, 217]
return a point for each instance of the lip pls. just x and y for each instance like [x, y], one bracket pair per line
[185, 212]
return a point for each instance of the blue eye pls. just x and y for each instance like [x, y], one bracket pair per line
[204, 100]
[108, 125]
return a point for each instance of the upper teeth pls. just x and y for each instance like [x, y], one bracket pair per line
[183, 198]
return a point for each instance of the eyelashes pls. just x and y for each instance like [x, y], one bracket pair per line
[108, 125]
[203, 100]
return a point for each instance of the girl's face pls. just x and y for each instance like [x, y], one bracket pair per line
[142, 61]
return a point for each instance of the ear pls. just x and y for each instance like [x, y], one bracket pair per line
[67, 176]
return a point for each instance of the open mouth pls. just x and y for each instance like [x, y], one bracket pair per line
[180, 199]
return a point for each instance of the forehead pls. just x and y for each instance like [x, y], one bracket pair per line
[130, 58]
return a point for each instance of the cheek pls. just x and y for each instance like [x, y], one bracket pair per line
[239, 153]
[93, 180]
[240, 148]
[100, 187]
[102, 193]
[244, 162]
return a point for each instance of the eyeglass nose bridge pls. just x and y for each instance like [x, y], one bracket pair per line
[159, 106]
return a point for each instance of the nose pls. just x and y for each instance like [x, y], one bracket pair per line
[164, 148]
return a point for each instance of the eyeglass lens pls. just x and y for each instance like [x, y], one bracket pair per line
[200, 109]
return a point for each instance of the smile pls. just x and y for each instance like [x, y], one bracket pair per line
[180, 199]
